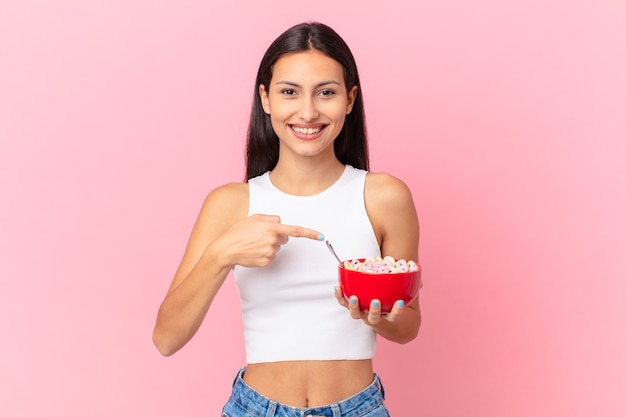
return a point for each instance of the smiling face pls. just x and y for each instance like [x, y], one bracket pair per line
[307, 101]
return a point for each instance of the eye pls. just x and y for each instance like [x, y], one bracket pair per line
[327, 93]
[288, 92]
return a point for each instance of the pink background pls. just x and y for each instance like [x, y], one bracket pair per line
[506, 119]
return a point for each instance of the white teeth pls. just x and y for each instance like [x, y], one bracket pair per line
[305, 130]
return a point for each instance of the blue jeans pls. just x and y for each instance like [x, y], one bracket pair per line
[246, 402]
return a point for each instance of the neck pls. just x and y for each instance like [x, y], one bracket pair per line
[306, 177]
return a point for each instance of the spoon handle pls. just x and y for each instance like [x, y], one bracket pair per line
[330, 247]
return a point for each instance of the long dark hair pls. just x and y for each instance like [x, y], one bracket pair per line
[262, 143]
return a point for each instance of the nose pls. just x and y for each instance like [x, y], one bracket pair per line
[308, 109]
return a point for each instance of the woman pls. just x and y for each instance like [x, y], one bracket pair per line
[308, 353]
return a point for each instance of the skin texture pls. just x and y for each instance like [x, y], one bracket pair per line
[307, 92]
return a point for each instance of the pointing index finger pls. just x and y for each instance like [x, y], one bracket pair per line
[299, 231]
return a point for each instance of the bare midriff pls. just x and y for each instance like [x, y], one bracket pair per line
[309, 383]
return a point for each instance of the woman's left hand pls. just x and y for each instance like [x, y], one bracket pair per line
[374, 315]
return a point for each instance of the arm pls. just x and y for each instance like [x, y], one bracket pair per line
[392, 213]
[222, 237]
[201, 272]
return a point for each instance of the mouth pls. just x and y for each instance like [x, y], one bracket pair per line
[307, 130]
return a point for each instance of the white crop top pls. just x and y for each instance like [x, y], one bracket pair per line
[289, 308]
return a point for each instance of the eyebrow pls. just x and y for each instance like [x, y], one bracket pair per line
[321, 84]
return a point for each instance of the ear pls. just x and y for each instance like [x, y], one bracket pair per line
[351, 98]
[265, 102]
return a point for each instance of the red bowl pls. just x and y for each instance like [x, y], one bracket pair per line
[387, 288]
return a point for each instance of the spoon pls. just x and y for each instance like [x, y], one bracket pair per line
[330, 248]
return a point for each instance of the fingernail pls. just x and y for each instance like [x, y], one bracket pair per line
[375, 303]
[400, 303]
[353, 300]
[320, 237]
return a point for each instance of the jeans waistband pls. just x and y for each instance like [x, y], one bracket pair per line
[258, 405]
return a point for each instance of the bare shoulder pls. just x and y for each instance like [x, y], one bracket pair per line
[385, 189]
[226, 204]
[231, 194]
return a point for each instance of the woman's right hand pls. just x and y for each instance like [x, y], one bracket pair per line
[256, 240]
